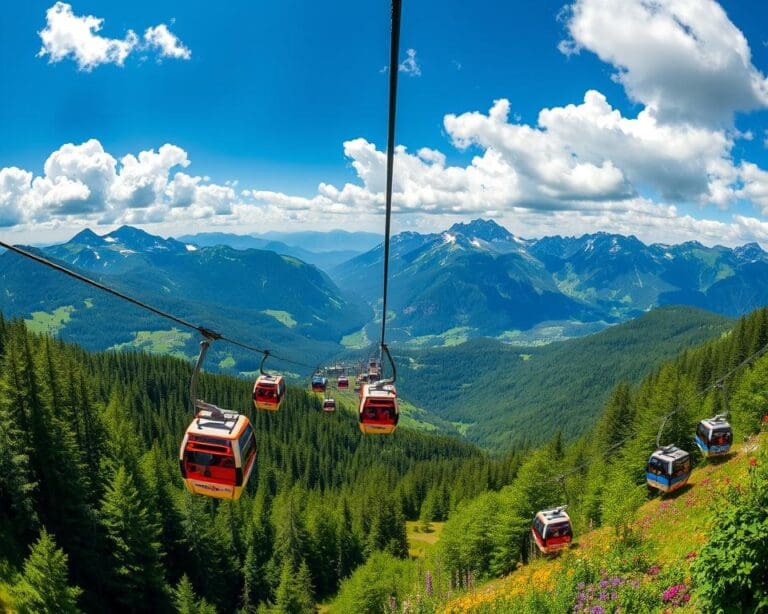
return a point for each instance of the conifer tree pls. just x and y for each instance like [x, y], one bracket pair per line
[294, 593]
[136, 577]
[43, 588]
[186, 602]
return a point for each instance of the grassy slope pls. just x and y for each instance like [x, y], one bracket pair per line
[511, 393]
[672, 530]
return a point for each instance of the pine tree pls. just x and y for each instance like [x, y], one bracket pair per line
[294, 593]
[186, 602]
[43, 588]
[137, 574]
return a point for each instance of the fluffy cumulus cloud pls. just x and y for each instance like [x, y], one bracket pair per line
[67, 35]
[667, 172]
[683, 59]
[167, 43]
[86, 183]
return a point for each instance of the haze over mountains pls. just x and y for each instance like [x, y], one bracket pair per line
[323, 249]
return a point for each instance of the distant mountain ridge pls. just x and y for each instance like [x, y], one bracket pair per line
[273, 300]
[323, 249]
[478, 278]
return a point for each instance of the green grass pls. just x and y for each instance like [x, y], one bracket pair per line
[227, 363]
[421, 544]
[356, 341]
[285, 318]
[158, 342]
[463, 427]
[51, 323]
[448, 338]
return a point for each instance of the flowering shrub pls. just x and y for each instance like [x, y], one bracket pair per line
[676, 596]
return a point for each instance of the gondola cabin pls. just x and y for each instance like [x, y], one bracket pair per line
[379, 413]
[714, 436]
[319, 383]
[217, 454]
[269, 392]
[342, 383]
[329, 405]
[668, 469]
[552, 530]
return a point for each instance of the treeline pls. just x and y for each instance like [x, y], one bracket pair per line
[94, 517]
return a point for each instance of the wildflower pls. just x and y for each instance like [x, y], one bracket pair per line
[654, 570]
[691, 555]
[580, 586]
[428, 582]
[753, 462]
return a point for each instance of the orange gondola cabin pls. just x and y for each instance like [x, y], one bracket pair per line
[217, 454]
[269, 392]
[379, 413]
[552, 530]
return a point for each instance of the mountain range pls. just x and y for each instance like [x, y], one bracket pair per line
[319, 248]
[478, 279]
[270, 300]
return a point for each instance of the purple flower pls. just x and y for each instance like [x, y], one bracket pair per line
[614, 596]
[580, 586]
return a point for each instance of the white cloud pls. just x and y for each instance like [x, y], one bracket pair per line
[15, 185]
[580, 167]
[68, 35]
[143, 180]
[168, 44]
[410, 66]
[85, 183]
[684, 59]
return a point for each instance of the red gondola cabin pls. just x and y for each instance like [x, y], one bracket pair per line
[552, 530]
[329, 405]
[217, 454]
[379, 413]
[342, 383]
[269, 392]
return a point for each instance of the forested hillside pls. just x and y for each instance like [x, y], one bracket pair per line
[502, 395]
[89, 481]
[602, 479]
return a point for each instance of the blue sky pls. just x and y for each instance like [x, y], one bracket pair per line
[270, 92]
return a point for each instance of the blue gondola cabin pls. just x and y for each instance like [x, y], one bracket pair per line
[217, 454]
[269, 392]
[714, 436]
[552, 530]
[318, 383]
[668, 469]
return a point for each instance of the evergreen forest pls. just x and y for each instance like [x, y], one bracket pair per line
[94, 517]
